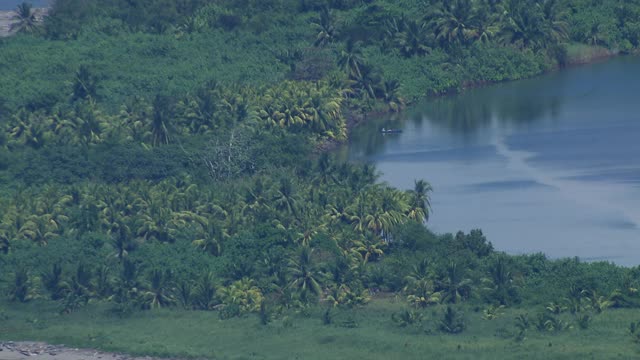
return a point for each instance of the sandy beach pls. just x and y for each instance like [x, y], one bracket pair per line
[10, 350]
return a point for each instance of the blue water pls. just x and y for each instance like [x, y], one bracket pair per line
[548, 165]
[11, 4]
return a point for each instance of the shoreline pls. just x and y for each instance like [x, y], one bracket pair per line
[19, 350]
[355, 117]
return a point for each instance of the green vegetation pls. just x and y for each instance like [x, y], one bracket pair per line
[159, 167]
[375, 335]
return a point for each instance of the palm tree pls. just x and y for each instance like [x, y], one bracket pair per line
[40, 229]
[30, 129]
[21, 288]
[452, 321]
[389, 93]
[256, 203]
[420, 272]
[211, 238]
[127, 286]
[555, 16]
[303, 274]
[160, 224]
[357, 212]
[205, 291]
[351, 59]
[325, 110]
[80, 285]
[485, 25]
[326, 28]
[285, 198]
[159, 292]
[85, 84]
[452, 22]
[368, 249]
[135, 117]
[500, 282]
[365, 81]
[420, 202]
[525, 27]
[5, 244]
[160, 121]
[123, 242]
[594, 36]
[25, 19]
[393, 28]
[54, 283]
[414, 40]
[453, 283]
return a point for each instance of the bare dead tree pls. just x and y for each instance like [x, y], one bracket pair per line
[229, 156]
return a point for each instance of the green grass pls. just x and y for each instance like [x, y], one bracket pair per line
[296, 336]
[582, 53]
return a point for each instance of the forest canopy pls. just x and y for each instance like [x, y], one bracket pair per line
[172, 154]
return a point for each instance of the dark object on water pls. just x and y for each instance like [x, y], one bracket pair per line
[390, 131]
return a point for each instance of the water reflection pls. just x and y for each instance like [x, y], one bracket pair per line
[549, 164]
[468, 115]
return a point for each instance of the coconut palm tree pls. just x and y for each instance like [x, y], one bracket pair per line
[25, 19]
[452, 22]
[158, 292]
[5, 244]
[123, 241]
[205, 291]
[160, 126]
[453, 283]
[40, 229]
[452, 322]
[365, 81]
[85, 84]
[500, 282]
[389, 93]
[556, 18]
[368, 249]
[350, 58]
[30, 128]
[160, 224]
[127, 285]
[525, 26]
[326, 28]
[211, 238]
[303, 275]
[594, 36]
[414, 40]
[420, 201]
[54, 282]
[21, 288]
[285, 196]
[135, 117]
[485, 25]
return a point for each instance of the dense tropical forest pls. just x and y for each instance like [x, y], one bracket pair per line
[165, 161]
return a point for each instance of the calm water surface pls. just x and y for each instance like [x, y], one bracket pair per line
[546, 165]
[12, 4]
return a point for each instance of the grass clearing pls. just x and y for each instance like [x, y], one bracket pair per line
[364, 333]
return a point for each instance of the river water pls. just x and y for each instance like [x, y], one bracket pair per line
[12, 4]
[550, 164]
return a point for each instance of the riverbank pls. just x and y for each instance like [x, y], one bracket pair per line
[577, 55]
[41, 351]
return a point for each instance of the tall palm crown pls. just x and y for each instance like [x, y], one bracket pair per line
[25, 18]
[452, 22]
